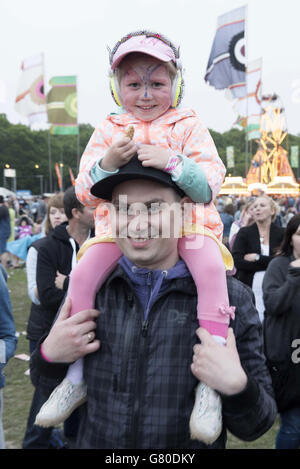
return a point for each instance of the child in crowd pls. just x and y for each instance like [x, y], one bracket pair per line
[25, 228]
[146, 82]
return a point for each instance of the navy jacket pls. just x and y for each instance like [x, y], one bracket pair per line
[140, 385]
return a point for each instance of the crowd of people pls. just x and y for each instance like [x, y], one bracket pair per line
[144, 340]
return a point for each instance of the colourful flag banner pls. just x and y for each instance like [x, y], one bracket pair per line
[30, 100]
[227, 61]
[295, 156]
[230, 157]
[62, 106]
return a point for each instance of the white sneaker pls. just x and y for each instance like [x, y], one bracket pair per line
[65, 398]
[206, 417]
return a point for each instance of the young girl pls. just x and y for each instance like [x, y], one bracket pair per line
[25, 228]
[146, 80]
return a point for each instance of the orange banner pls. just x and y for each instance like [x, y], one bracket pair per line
[57, 169]
[72, 177]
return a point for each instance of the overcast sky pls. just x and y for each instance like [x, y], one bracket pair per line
[73, 35]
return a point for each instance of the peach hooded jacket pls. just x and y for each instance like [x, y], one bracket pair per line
[178, 130]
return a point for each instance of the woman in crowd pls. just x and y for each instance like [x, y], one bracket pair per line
[281, 289]
[39, 323]
[255, 245]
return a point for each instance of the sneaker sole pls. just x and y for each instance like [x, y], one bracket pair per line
[53, 422]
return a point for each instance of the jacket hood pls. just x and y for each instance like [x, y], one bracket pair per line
[170, 117]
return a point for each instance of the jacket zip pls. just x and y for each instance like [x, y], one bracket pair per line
[139, 381]
[128, 336]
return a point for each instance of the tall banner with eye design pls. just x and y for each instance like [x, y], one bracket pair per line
[62, 106]
[226, 68]
[31, 100]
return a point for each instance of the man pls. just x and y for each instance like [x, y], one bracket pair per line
[57, 254]
[4, 226]
[8, 340]
[142, 353]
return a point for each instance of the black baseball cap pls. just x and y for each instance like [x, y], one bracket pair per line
[132, 170]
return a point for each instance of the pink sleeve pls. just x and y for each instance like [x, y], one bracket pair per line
[95, 149]
[199, 145]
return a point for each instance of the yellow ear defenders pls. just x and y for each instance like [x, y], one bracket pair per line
[178, 82]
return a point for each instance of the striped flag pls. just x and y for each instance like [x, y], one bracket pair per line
[227, 61]
[62, 106]
[30, 100]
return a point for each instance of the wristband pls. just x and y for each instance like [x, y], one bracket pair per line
[44, 356]
[176, 173]
[171, 165]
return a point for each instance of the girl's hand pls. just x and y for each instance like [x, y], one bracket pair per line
[151, 155]
[118, 154]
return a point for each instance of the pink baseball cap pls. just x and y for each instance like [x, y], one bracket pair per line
[147, 45]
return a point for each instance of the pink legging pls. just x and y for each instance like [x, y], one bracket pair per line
[90, 273]
[204, 262]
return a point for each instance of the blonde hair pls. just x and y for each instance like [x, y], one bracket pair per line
[56, 201]
[119, 72]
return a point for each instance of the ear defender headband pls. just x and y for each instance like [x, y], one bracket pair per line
[178, 82]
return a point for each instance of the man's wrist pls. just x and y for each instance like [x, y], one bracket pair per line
[239, 385]
[243, 400]
[45, 357]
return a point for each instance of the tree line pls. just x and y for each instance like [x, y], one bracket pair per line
[30, 151]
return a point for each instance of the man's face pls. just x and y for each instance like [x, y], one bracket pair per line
[87, 217]
[146, 219]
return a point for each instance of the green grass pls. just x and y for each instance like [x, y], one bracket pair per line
[18, 392]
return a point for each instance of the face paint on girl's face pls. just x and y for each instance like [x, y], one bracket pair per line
[145, 88]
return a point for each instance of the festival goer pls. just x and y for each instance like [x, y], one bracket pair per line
[39, 323]
[8, 340]
[281, 287]
[4, 226]
[57, 256]
[25, 228]
[255, 246]
[138, 353]
[146, 79]
[8, 259]
[227, 217]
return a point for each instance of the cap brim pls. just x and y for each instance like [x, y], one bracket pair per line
[143, 50]
[132, 170]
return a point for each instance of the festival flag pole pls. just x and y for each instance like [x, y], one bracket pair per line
[246, 79]
[226, 68]
[50, 162]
